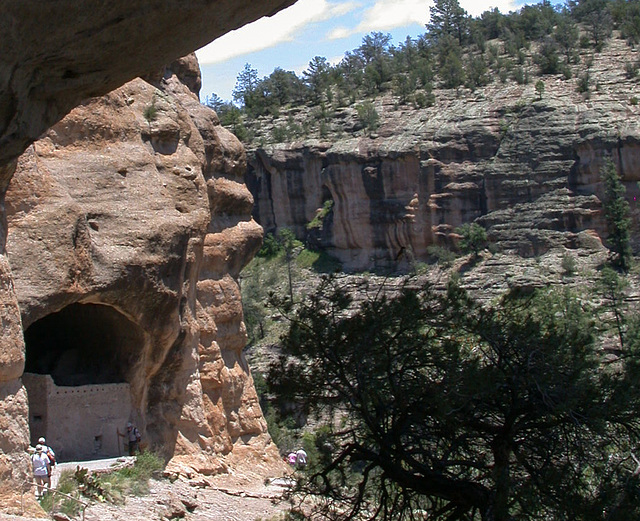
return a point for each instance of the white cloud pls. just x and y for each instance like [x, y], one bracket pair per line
[385, 15]
[389, 14]
[476, 8]
[269, 32]
[341, 32]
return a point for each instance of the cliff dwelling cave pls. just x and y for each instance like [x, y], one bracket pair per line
[79, 363]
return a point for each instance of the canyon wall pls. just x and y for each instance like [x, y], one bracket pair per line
[527, 169]
[128, 225]
[55, 55]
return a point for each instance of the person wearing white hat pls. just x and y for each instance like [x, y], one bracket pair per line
[48, 451]
[41, 470]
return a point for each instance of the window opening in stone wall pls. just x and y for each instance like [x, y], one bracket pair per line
[97, 444]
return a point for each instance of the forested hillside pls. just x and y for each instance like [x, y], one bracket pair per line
[456, 51]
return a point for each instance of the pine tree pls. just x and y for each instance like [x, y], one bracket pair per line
[616, 210]
[246, 84]
[448, 19]
[317, 76]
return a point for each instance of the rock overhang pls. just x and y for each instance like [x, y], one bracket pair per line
[57, 54]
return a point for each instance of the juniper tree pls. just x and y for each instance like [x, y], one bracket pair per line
[473, 238]
[441, 406]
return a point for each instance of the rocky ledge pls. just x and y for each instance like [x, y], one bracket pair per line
[526, 168]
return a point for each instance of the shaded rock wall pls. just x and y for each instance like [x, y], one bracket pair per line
[527, 169]
[57, 54]
[135, 201]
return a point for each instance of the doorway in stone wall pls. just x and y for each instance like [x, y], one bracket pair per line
[78, 369]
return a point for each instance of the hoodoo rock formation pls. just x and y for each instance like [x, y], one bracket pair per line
[525, 168]
[181, 247]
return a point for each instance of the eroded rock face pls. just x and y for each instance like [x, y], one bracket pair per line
[527, 169]
[131, 214]
[54, 56]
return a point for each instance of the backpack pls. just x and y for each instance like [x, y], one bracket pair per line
[51, 455]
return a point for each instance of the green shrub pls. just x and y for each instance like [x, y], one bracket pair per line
[280, 133]
[148, 464]
[441, 255]
[318, 219]
[504, 127]
[424, 99]
[631, 69]
[150, 112]
[547, 58]
[133, 480]
[270, 247]
[294, 129]
[403, 86]
[520, 75]
[569, 265]
[585, 42]
[368, 115]
[242, 132]
[583, 83]
[52, 502]
[473, 238]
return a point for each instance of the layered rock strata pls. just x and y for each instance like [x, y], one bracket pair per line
[129, 222]
[525, 168]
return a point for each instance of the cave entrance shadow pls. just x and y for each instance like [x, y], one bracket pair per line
[79, 366]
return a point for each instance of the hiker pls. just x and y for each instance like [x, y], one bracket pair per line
[291, 459]
[41, 470]
[301, 458]
[48, 451]
[133, 437]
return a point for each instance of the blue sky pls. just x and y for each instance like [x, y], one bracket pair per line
[309, 28]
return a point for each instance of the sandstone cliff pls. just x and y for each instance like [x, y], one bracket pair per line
[54, 56]
[525, 168]
[128, 225]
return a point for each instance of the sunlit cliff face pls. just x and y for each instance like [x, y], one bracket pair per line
[128, 225]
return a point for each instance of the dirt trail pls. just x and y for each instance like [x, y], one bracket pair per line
[238, 496]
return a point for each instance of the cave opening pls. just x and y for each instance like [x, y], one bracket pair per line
[79, 364]
[83, 344]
